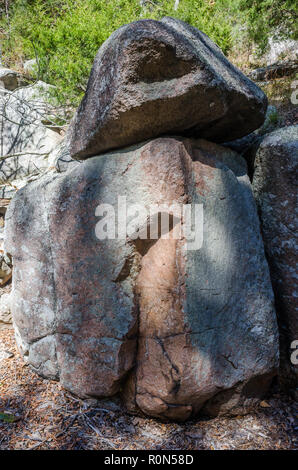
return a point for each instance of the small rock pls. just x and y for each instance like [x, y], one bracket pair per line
[5, 313]
[8, 79]
[5, 276]
[4, 354]
[30, 66]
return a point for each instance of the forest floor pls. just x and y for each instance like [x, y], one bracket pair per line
[38, 414]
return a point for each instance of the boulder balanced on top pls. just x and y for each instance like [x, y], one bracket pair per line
[163, 77]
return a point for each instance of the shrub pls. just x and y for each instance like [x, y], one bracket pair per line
[265, 18]
[64, 35]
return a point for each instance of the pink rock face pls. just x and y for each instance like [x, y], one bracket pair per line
[152, 78]
[176, 330]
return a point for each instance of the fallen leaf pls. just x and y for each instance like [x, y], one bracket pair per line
[264, 404]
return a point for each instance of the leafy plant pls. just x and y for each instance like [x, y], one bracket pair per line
[64, 35]
[265, 18]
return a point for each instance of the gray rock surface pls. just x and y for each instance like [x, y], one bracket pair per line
[5, 310]
[247, 146]
[178, 330]
[24, 137]
[275, 190]
[5, 354]
[281, 48]
[30, 66]
[158, 77]
[60, 160]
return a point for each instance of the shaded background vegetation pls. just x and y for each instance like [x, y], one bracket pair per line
[64, 35]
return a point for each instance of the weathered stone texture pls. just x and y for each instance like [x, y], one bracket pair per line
[152, 78]
[275, 189]
[179, 330]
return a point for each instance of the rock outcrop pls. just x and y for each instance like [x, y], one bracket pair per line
[275, 189]
[29, 145]
[163, 77]
[25, 139]
[179, 330]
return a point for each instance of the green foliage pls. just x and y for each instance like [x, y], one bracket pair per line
[8, 418]
[278, 18]
[273, 118]
[64, 35]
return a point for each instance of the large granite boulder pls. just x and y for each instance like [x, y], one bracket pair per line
[177, 327]
[275, 189]
[155, 77]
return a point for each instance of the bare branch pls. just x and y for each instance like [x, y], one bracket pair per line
[21, 154]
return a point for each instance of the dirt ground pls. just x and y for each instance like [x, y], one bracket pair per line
[39, 414]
